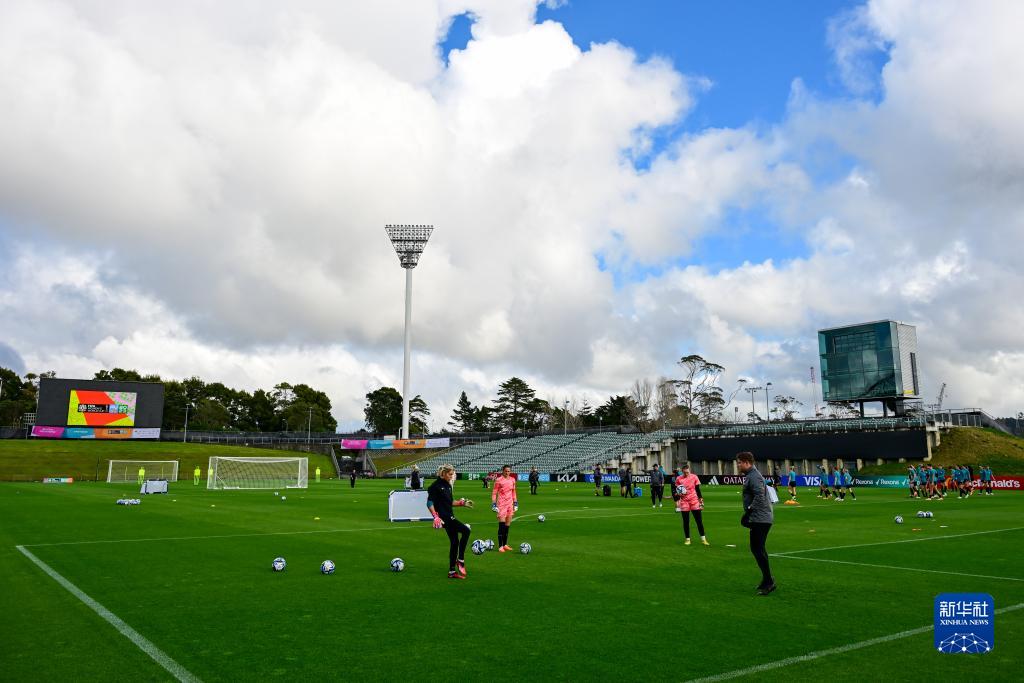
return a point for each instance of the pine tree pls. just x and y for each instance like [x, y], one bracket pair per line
[464, 415]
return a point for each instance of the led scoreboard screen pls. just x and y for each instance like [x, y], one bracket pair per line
[88, 408]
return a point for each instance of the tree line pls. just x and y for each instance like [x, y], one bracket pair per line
[210, 406]
[694, 397]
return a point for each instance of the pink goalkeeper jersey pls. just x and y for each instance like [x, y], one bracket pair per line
[691, 482]
[504, 491]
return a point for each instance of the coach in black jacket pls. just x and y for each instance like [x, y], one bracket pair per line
[758, 516]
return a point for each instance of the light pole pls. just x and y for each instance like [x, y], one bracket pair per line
[767, 413]
[409, 242]
[309, 425]
[735, 413]
[752, 391]
[565, 418]
[185, 435]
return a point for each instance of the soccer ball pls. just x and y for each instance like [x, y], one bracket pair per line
[921, 513]
[284, 497]
[899, 519]
[681, 490]
[488, 544]
[397, 564]
[326, 567]
[525, 548]
[479, 547]
[279, 564]
[541, 518]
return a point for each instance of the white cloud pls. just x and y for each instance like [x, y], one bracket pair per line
[202, 190]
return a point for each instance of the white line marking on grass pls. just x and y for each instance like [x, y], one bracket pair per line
[906, 540]
[155, 653]
[887, 566]
[811, 656]
[200, 538]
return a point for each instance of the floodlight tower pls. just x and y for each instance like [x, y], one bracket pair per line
[409, 242]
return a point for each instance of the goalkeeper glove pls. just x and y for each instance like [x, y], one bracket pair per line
[494, 507]
[437, 522]
[515, 506]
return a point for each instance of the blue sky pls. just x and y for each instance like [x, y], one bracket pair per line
[751, 52]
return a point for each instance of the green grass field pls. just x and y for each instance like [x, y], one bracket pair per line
[608, 592]
[86, 460]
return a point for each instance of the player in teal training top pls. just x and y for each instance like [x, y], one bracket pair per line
[823, 491]
[986, 479]
[848, 482]
[792, 482]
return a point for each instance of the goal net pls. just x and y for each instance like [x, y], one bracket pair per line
[128, 470]
[257, 473]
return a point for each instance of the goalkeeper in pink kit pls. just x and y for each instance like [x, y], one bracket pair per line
[505, 503]
[687, 487]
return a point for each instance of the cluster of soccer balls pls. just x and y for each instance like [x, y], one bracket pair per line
[920, 513]
[327, 566]
[129, 501]
[481, 546]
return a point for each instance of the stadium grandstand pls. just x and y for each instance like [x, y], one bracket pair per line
[558, 453]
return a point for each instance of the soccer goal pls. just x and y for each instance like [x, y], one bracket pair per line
[128, 470]
[257, 473]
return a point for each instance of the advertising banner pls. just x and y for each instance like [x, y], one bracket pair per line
[79, 433]
[408, 443]
[1002, 483]
[354, 444]
[566, 477]
[378, 444]
[439, 443]
[542, 476]
[113, 433]
[48, 432]
[885, 482]
[726, 479]
[101, 408]
[146, 433]
[58, 480]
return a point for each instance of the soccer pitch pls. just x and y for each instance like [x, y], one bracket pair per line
[609, 591]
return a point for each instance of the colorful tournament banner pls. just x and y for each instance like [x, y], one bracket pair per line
[146, 433]
[438, 443]
[48, 432]
[354, 444]
[79, 433]
[101, 408]
[113, 433]
[378, 444]
[409, 443]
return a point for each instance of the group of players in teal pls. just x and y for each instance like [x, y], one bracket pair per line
[933, 482]
[841, 483]
[925, 481]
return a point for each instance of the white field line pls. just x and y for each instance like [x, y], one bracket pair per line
[140, 641]
[811, 656]
[396, 527]
[906, 540]
[906, 569]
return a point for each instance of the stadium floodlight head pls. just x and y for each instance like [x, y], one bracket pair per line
[409, 242]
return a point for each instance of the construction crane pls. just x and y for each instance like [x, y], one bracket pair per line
[942, 394]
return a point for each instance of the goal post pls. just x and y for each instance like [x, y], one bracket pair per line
[128, 470]
[257, 473]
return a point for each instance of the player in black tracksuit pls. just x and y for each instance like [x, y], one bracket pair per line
[534, 480]
[441, 505]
